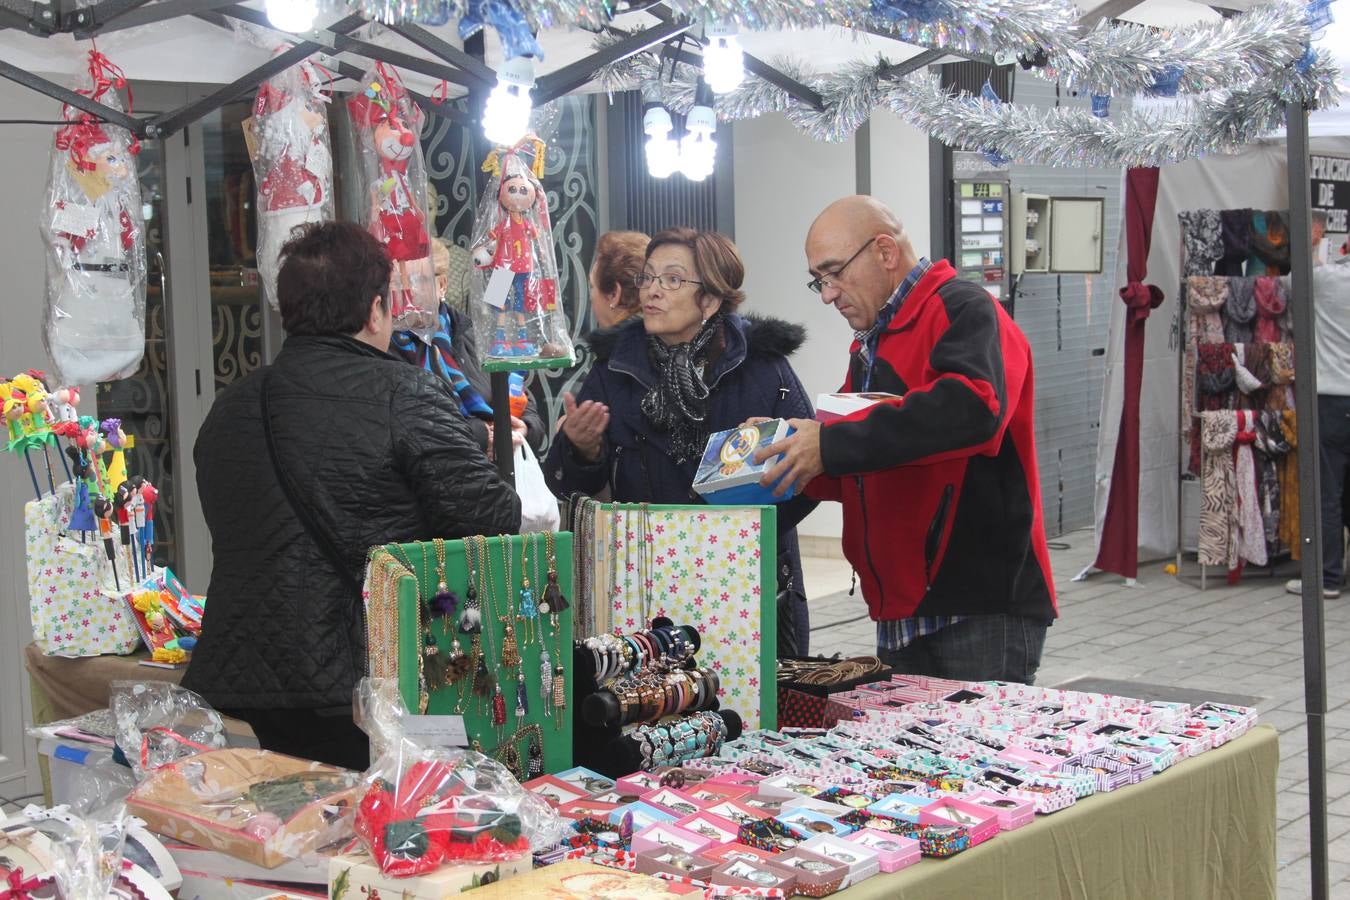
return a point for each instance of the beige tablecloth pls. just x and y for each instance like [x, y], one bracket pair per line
[1203, 830]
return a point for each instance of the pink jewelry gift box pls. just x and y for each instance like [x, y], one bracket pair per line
[713, 791]
[671, 862]
[711, 826]
[894, 851]
[668, 835]
[815, 876]
[980, 821]
[1012, 812]
[637, 784]
[739, 813]
[724, 853]
[587, 808]
[555, 790]
[736, 779]
[678, 802]
[741, 873]
[861, 862]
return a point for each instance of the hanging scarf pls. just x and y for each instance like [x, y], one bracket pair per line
[1246, 381]
[1215, 377]
[1270, 242]
[1239, 311]
[1270, 306]
[1236, 230]
[1202, 239]
[1271, 448]
[1251, 530]
[1205, 297]
[678, 400]
[1289, 531]
[1217, 545]
[438, 358]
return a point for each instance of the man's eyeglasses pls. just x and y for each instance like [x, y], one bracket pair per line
[827, 280]
[669, 281]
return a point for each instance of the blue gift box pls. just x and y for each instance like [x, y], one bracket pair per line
[727, 474]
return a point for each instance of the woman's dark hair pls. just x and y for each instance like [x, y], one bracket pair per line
[330, 271]
[716, 258]
[618, 262]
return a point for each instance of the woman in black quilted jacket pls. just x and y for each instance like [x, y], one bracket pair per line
[363, 449]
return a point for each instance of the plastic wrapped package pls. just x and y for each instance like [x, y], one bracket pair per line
[88, 859]
[426, 807]
[91, 226]
[287, 138]
[158, 723]
[516, 310]
[387, 123]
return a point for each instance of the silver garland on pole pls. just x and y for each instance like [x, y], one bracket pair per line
[1211, 122]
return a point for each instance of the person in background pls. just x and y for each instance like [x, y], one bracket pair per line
[663, 382]
[941, 496]
[1331, 309]
[302, 467]
[619, 256]
[452, 354]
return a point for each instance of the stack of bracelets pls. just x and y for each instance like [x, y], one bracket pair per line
[652, 695]
[693, 737]
[617, 655]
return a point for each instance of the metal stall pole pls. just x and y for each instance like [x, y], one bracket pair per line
[1309, 490]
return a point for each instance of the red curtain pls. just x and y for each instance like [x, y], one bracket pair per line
[1119, 548]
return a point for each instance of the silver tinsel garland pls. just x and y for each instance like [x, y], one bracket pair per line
[1212, 122]
[1112, 59]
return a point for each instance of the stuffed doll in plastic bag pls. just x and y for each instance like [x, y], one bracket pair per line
[92, 228]
[387, 123]
[513, 248]
[292, 163]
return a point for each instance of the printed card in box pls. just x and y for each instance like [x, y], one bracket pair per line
[736, 779]
[714, 792]
[1012, 813]
[861, 862]
[815, 876]
[739, 812]
[743, 873]
[587, 808]
[671, 862]
[733, 850]
[894, 851]
[667, 834]
[674, 801]
[355, 876]
[980, 821]
[807, 823]
[904, 807]
[637, 784]
[727, 473]
[711, 826]
[592, 783]
[554, 790]
[644, 814]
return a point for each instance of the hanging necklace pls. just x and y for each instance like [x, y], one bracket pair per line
[510, 657]
[529, 609]
[484, 682]
[556, 603]
[443, 604]
[471, 617]
[403, 569]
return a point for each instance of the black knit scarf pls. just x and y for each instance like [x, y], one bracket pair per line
[677, 404]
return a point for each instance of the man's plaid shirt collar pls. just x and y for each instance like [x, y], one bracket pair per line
[867, 339]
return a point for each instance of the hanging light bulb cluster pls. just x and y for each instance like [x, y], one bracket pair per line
[506, 119]
[694, 155]
[295, 16]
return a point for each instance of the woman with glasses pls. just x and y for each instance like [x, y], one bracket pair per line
[690, 366]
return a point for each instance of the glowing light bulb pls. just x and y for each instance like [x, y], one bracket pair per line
[723, 60]
[663, 153]
[698, 150]
[506, 119]
[292, 15]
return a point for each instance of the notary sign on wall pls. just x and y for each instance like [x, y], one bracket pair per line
[1330, 176]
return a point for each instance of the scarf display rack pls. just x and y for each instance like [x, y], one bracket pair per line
[1235, 390]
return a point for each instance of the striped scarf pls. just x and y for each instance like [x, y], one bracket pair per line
[438, 358]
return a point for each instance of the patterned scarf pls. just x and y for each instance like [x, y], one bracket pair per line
[438, 358]
[1251, 531]
[1239, 310]
[1218, 545]
[1270, 242]
[1270, 306]
[1202, 239]
[1205, 297]
[678, 401]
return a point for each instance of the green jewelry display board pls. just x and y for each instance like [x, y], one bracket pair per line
[509, 599]
[713, 567]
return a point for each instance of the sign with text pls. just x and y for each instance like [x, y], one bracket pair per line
[1330, 177]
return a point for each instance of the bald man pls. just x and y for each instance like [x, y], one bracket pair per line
[942, 513]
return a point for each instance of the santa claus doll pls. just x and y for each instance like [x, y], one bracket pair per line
[288, 141]
[96, 255]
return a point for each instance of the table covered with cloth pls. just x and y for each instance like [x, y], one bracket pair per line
[1205, 828]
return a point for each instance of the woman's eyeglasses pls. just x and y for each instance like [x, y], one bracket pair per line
[669, 281]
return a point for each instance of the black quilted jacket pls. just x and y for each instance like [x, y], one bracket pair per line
[379, 452]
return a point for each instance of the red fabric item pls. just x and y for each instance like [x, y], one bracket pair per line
[1118, 550]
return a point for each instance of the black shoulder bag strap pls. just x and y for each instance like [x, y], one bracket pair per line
[302, 512]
